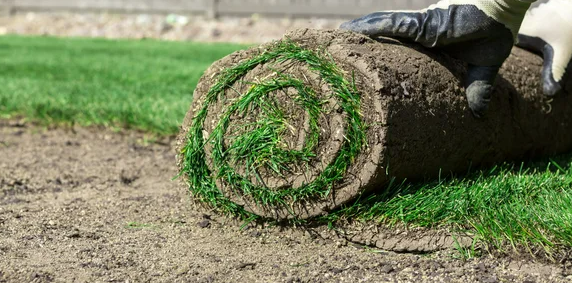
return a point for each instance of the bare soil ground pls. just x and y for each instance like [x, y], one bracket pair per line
[91, 205]
[194, 28]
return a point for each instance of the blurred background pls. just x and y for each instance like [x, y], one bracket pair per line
[237, 21]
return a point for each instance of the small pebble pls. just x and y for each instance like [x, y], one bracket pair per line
[204, 224]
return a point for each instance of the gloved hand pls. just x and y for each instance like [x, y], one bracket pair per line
[479, 32]
[547, 29]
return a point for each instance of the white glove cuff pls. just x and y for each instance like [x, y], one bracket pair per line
[507, 12]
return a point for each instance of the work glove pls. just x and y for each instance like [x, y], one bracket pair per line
[547, 29]
[479, 32]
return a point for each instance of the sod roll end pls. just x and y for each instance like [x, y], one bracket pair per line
[298, 127]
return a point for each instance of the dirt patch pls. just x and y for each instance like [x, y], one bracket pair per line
[93, 205]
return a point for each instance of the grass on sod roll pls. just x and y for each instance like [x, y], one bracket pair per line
[145, 84]
[264, 137]
[148, 84]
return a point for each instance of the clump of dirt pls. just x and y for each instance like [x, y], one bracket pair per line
[94, 205]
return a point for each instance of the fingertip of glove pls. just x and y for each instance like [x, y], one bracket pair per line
[349, 26]
[551, 88]
[478, 97]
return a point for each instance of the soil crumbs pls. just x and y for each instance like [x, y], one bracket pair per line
[92, 205]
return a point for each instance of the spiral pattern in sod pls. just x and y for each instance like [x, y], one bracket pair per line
[267, 137]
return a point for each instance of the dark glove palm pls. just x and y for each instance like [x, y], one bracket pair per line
[480, 34]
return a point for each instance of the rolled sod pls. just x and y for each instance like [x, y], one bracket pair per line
[298, 127]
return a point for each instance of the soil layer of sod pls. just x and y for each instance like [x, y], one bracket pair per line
[298, 127]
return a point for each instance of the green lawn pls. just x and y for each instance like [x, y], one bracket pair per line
[148, 85]
[138, 84]
[509, 207]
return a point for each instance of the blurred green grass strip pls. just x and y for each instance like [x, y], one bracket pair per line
[138, 84]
